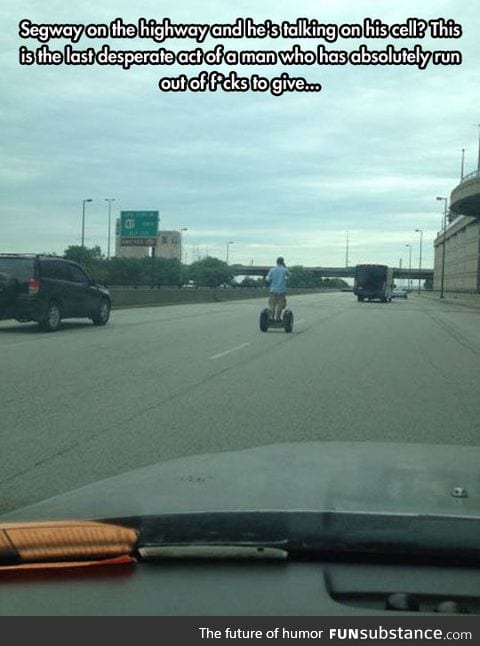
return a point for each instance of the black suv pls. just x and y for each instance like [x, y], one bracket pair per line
[48, 289]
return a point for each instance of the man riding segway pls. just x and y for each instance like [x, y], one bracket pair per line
[277, 302]
[277, 279]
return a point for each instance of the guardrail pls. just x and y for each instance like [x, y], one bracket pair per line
[131, 297]
[332, 272]
[475, 173]
[463, 298]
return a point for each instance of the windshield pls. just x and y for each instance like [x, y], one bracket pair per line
[178, 152]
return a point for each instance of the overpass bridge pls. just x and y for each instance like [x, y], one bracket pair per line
[331, 272]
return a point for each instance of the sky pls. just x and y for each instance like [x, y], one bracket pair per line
[282, 175]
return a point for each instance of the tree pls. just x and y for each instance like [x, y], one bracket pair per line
[301, 277]
[127, 271]
[307, 279]
[83, 255]
[166, 270]
[209, 272]
[334, 283]
[252, 282]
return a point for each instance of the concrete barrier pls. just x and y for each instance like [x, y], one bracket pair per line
[458, 298]
[145, 297]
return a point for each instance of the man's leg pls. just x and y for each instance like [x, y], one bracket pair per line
[281, 305]
[271, 305]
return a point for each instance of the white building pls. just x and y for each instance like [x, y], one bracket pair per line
[462, 249]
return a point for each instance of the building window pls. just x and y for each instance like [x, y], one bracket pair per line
[164, 240]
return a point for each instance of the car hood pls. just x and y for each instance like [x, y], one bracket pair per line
[315, 476]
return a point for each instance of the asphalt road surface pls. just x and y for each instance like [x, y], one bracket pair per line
[86, 403]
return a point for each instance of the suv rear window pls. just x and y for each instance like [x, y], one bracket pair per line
[21, 268]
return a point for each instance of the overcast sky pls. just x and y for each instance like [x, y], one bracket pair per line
[283, 175]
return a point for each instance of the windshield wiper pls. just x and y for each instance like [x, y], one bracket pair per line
[316, 534]
[240, 552]
[274, 535]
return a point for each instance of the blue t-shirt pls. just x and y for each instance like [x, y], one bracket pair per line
[277, 277]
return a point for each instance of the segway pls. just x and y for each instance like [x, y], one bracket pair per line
[286, 322]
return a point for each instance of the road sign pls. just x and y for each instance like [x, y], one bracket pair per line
[138, 228]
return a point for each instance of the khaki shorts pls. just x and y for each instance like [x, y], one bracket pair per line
[277, 301]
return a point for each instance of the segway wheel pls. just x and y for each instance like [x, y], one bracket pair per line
[264, 318]
[288, 320]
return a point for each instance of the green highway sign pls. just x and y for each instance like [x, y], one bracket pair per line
[138, 228]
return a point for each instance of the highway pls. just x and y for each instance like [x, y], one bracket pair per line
[86, 403]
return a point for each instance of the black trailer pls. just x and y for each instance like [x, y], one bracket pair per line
[373, 282]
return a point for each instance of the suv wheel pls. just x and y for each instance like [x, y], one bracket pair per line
[52, 319]
[102, 314]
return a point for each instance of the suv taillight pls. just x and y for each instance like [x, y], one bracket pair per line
[33, 286]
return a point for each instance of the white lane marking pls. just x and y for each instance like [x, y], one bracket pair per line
[12, 345]
[17, 343]
[222, 354]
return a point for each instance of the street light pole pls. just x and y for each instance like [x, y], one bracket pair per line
[181, 242]
[463, 165]
[445, 201]
[181, 254]
[409, 265]
[420, 231]
[109, 200]
[478, 164]
[83, 220]
[228, 248]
